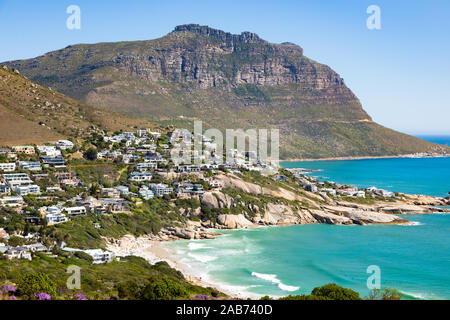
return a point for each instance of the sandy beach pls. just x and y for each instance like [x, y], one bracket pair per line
[154, 251]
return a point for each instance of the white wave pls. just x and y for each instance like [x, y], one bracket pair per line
[202, 257]
[412, 223]
[420, 296]
[273, 279]
[195, 246]
[287, 288]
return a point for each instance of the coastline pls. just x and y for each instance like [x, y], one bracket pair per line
[155, 251]
[412, 156]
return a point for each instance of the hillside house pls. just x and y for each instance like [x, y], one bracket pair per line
[24, 190]
[5, 190]
[64, 144]
[30, 165]
[141, 176]
[75, 211]
[11, 201]
[24, 150]
[8, 167]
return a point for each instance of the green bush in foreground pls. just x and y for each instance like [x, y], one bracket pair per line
[327, 292]
[164, 289]
[34, 283]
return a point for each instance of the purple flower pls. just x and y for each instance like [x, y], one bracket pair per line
[43, 296]
[8, 289]
[81, 296]
[12, 298]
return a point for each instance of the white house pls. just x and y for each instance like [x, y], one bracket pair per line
[189, 168]
[99, 256]
[18, 253]
[54, 215]
[161, 189]
[64, 144]
[146, 193]
[14, 179]
[7, 167]
[140, 176]
[75, 211]
[146, 166]
[50, 151]
[30, 165]
[56, 218]
[123, 190]
[27, 189]
[4, 189]
[11, 201]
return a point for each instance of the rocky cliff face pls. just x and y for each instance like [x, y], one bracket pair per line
[197, 72]
[212, 58]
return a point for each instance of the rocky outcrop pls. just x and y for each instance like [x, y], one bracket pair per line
[425, 200]
[216, 200]
[402, 208]
[232, 181]
[279, 214]
[358, 216]
[230, 221]
[329, 218]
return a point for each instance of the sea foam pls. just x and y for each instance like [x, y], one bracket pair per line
[202, 257]
[273, 278]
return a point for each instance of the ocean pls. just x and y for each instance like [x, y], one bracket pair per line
[279, 261]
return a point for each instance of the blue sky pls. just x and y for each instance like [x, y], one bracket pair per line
[401, 73]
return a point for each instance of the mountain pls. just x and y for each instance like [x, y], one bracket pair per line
[31, 113]
[197, 72]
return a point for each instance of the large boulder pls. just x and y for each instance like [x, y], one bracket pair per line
[216, 200]
[231, 221]
[323, 216]
[281, 214]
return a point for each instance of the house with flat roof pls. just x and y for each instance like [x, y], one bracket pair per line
[64, 144]
[142, 167]
[146, 193]
[189, 168]
[75, 211]
[161, 189]
[24, 190]
[140, 176]
[98, 255]
[18, 253]
[50, 151]
[53, 161]
[4, 189]
[24, 149]
[11, 201]
[56, 218]
[30, 165]
[8, 167]
[123, 190]
[14, 179]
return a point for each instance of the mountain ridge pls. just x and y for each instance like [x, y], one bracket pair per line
[30, 113]
[197, 72]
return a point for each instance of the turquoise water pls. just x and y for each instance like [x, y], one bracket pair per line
[429, 176]
[279, 261]
[295, 259]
